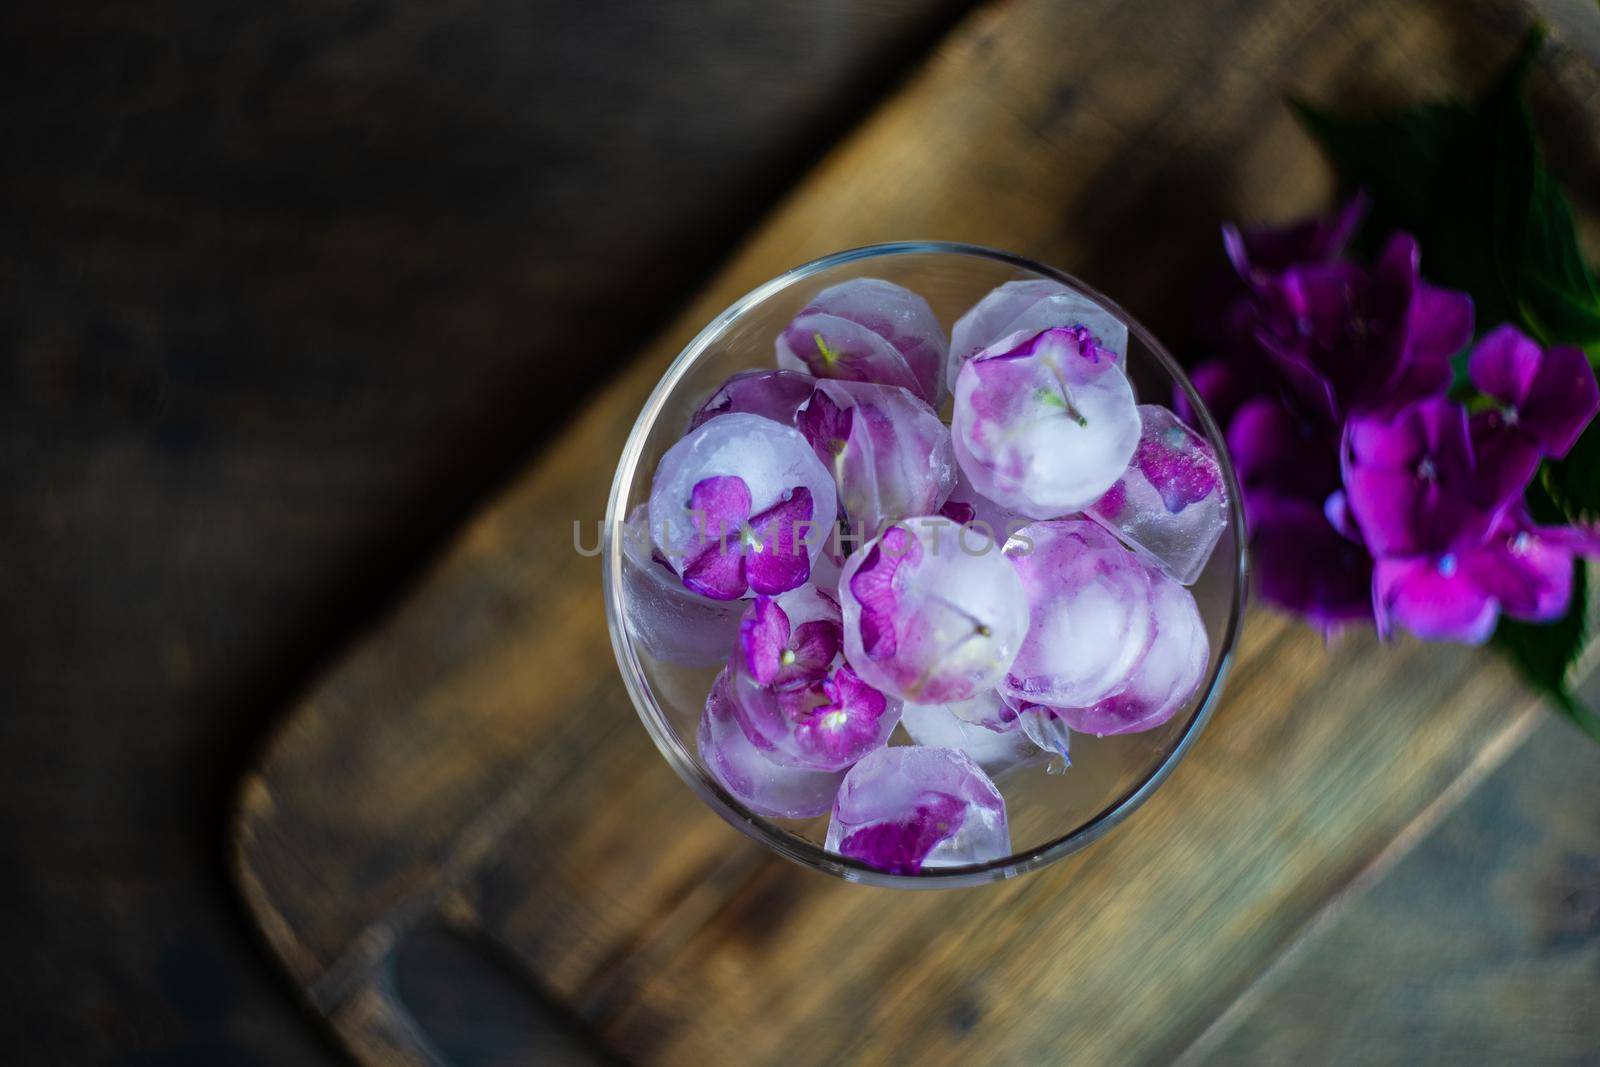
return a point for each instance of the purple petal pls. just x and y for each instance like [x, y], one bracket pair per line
[1529, 577]
[721, 505]
[1440, 323]
[764, 637]
[1273, 450]
[1561, 401]
[1436, 599]
[814, 645]
[717, 572]
[1302, 564]
[1222, 387]
[826, 425]
[781, 559]
[1337, 511]
[873, 586]
[1183, 473]
[1504, 364]
[772, 394]
[900, 846]
[958, 511]
[1506, 460]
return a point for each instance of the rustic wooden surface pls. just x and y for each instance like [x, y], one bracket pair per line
[1481, 947]
[285, 290]
[474, 761]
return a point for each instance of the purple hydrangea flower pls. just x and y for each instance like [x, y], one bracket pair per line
[1367, 492]
[764, 553]
[777, 657]
[1412, 480]
[1349, 339]
[1300, 563]
[1545, 399]
[1521, 570]
[848, 722]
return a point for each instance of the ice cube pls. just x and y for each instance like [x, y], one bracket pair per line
[671, 623]
[929, 618]
[800, 704]
[741, 505]
[1044, 423]
[869, 330]
[825, 570]
[1171, 504]
[1167, 676]
[905, 808]
[764, 787]
[968, 507]
[1091, 619]
[772, 394]
[996, 749]
[1044, 727]
[889, 453]
[1028, 306]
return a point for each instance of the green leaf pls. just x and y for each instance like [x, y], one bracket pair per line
[1560, 298]
[1469, 182]
[1544, 653]
[1572, 484]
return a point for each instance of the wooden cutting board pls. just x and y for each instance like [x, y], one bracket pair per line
[473, 764]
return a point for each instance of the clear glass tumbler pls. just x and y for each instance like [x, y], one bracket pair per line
[1051, 815]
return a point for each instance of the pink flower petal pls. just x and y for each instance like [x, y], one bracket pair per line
[720, 504]
[1434, 599]
[764, 636]
[717, 573]
[781, 559]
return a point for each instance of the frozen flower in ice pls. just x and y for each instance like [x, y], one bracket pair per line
[777, 655]
[889, 454]
[868, 330]
[772, 394]
[797, 700]
[743, 553]
[1044, 423]
[928, 620]
[904, 808]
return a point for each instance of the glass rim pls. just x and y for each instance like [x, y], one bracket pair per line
[789, 845]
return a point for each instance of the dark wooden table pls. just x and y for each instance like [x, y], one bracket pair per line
[1373, 854]
[285, 289]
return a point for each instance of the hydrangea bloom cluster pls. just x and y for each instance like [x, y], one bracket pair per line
[1372, 490]
[1017, 574]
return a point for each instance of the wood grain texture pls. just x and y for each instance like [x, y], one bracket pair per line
[1499, 916]
[285, 291]
[477, 753]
